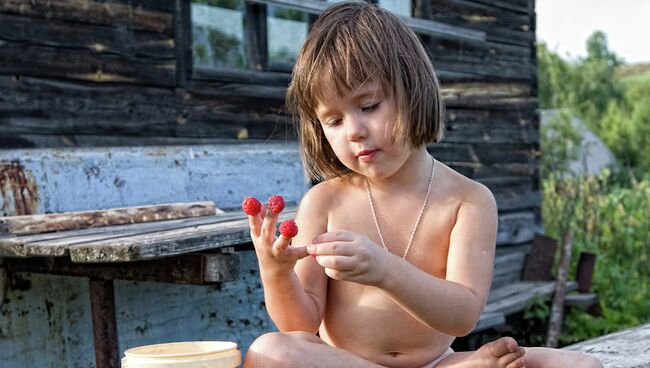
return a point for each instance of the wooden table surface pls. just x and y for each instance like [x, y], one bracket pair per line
[135, 242]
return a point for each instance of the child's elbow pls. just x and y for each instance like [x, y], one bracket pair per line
[466, 325]
[462, 329]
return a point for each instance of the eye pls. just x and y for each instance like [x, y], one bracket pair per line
[370, 108]
[333, 122]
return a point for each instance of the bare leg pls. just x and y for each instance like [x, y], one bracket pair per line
[299, 349]
[502, 353]
[556, 358]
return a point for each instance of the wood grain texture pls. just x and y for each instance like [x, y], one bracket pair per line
[135, 242]
[515, 297]
[151, 16]
[623, 349]
[31, 224]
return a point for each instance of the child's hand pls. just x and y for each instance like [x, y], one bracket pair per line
[350, 256]
[274, 254]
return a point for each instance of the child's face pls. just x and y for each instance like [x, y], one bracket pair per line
[359, 128]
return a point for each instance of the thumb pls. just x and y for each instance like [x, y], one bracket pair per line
[280, 245]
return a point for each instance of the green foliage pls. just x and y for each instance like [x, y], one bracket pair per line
[607, 214]
[611, 220]
[560, 144]
[626, 126]
[228, 4]
[290, 14]
[617, 109]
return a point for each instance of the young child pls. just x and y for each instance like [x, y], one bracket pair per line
[402, 246]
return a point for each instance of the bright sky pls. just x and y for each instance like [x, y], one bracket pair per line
[565, 26]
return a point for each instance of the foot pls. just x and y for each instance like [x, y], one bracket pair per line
[502, 353]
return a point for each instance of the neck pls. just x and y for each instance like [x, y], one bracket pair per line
[412, 176]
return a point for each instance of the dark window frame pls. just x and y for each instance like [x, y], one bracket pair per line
[262, 72]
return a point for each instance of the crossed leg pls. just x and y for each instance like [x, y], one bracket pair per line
[556, 358]
[302, 349]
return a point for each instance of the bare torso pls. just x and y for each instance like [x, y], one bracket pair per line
[365, 320]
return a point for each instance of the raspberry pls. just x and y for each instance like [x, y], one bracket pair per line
[275, 204]
[289, 229]
[251, 206]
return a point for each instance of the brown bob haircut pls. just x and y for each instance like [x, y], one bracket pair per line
[349, 44]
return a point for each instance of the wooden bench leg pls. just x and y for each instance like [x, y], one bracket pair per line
[102, 305]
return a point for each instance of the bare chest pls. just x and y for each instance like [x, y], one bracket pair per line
[430, 242]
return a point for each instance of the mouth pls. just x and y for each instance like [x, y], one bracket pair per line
[367, 155]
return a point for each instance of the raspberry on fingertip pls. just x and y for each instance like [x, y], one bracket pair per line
[275, 204]
[289, 229]
[251, 206]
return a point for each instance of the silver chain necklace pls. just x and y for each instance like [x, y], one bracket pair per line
[417, 222]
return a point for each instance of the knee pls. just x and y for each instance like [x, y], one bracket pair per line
[275, 349]
[266, 351]
[588, 361]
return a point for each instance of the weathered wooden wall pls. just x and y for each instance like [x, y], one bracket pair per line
[97, 73]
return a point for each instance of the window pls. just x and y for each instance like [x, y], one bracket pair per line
[218, 34]
[239, 38]
[286, 32]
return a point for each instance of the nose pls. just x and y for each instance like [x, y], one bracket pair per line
[356, 128]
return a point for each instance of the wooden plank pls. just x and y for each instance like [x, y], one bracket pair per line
[94, 12]
[492, 95]
[57, 244]
[57, 247]
[515, 298]
[30, 224]
[581, 300]
[490, 126]
[509, 264]
[623, 349]
[516, 228]
[48, 61]
[189, 269]
[166, 243]
[127, 43]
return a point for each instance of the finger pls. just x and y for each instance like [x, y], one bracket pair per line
[255, 224]
[269, 224]
[339, 263]
[337, 248]
[335, 274]
[331, 236]
[297, 252]
[280, 245]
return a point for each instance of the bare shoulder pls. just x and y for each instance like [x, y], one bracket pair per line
[465, 191]
[322, 198]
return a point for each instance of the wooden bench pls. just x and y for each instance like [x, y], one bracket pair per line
[624, 349]
[195, 251]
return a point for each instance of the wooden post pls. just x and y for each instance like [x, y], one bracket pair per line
[557, 308]
[102, 305]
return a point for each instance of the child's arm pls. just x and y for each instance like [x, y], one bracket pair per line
[293, 305]
[452, 305]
